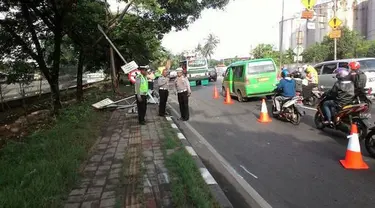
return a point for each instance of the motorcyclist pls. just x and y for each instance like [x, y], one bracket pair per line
[359, 78]
[312, 78]
[287, 87]
[341, 94]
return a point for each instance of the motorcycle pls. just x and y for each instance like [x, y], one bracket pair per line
[355, 113]
[289, 110]
[316, 92]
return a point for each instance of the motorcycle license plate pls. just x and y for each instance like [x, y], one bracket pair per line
[263, 79]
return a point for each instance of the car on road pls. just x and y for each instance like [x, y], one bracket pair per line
[250, 78]
[327, 78]
[212, 74]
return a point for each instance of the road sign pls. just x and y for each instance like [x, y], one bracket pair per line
[297, 58]
[298, 50]
[129, 66]
[311, 25]
[307, 14]
[334, 23]
[308, 4]
[133, 74]
[335, 34]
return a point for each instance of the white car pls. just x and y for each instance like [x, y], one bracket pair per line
[327, 78]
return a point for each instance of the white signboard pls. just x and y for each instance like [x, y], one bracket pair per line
[311, 25]
[129, 67]
[298, 50]
[102, 103]
[297, 58]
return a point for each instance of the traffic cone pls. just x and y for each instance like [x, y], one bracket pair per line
[228, 98]
[216, 94]
[353, 157]
[264, 117]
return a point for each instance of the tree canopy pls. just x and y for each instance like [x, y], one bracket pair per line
[53, 33]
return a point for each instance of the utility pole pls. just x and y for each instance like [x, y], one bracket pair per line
[281, 34]
[335, 39]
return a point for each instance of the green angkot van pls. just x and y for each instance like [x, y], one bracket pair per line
[250, 78]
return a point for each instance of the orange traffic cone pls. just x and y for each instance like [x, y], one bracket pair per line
[228, 98]
[216, 94]
[264, 117]
[353, 157]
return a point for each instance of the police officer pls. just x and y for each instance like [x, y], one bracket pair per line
[183, 92]
[141, 89]
[163, 82]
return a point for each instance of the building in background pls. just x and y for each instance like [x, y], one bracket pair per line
[357, 15]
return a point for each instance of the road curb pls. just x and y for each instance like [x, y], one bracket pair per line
[214, 187]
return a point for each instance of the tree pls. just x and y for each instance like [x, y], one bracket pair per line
[210, 45]
[82, 30]
[27, 26]
[316, 53]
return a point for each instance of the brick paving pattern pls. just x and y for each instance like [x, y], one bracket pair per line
[126, 168]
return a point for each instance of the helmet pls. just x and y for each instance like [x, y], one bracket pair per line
[341, 73]
[354, 65]
[297, 74]
[284, 73]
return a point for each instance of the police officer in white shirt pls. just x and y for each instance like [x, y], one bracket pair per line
[163, 83]
[183, 92]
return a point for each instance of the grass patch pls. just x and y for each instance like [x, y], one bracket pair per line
[187, 184]
[41, 171]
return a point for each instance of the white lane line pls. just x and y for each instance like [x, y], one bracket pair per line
[168, 118]
[259, 200]
[305, 107]
[248, 172]
[174, 126]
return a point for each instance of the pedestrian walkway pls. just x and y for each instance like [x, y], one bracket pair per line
[126, 167]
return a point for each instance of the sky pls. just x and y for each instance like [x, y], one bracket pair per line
[240, 27]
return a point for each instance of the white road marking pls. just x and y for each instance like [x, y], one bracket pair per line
[207, 176]
[308, 108]
[174, 126]
[168, 118]
[191, 151]
[248, 171]
[181, 136]
[240, 180]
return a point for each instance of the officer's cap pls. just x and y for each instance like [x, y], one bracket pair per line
[144, 67]
[179, 69]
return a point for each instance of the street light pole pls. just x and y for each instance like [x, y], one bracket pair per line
[335, 39]
[281, 34]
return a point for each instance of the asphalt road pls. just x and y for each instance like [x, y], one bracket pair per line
[289, 166]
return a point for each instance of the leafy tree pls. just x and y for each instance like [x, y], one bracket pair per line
[210, 45]
[27, 25]
[316, 53]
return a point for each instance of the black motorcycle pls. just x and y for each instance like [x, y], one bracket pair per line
[354, 113]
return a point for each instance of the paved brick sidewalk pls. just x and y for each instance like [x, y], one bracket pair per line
[126, 168]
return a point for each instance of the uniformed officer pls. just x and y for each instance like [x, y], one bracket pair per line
[141, 89]
[183, 92]
[163, 83]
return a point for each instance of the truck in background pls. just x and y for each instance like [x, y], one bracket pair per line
[195, 69]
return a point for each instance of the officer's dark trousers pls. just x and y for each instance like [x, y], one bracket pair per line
[142, 108]
[183, 101]
[163, 101]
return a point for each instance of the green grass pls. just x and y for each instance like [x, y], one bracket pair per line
[187, 184]
[41, 171]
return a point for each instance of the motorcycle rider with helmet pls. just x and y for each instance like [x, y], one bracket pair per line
[287, 87]
[312, 78]
[359, 78]
[341, 94]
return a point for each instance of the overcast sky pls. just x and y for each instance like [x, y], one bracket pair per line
[242, 25]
